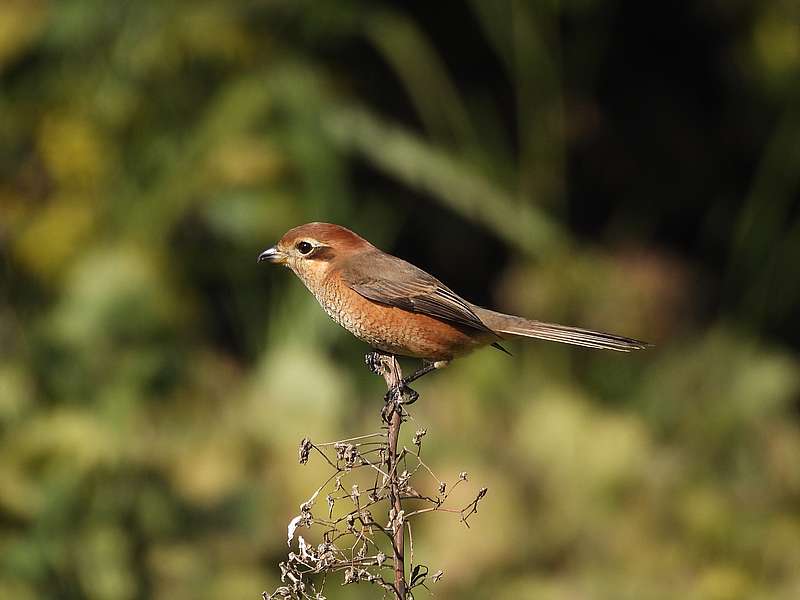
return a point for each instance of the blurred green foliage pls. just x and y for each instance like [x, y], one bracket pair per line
[154, 381]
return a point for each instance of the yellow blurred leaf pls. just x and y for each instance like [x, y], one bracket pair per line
[245, 161]
[75, 437]
[18, 590]
[723, 582]
[20, 22]
[74, 151]
[208, 470]
[54, 236]
[777, 42]
[583, 451]
[103, 561]
[175, 569]
[19, 495]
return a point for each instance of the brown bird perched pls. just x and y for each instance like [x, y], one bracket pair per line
[400, 309]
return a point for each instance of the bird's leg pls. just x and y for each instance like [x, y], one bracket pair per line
[427, 367]
[403, 388]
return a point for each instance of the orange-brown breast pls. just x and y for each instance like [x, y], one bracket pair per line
[393, 329]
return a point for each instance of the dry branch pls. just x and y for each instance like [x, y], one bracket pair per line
[352, 540]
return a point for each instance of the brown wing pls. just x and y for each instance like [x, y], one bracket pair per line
[384, 278]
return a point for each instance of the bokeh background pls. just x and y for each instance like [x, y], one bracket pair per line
[623, 165]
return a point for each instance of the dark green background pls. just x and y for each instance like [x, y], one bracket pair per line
[628, 166]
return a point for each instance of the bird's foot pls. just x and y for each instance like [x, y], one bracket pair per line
[375, 361]
[402, 394]
[396, 398]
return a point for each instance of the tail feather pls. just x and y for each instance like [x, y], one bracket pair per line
[519, 326]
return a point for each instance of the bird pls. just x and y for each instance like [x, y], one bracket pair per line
[400, 309]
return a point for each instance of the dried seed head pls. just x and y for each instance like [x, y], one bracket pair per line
[418, 435]
[348, 453]
[305, 450]
[340, 447]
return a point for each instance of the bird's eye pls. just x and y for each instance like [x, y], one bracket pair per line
[304, 247]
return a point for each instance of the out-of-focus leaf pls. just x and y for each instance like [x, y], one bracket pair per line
[21, 21]
[54, 236]
[103, 564]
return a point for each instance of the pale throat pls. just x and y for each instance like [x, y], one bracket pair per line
[311, 273]
[315, 276]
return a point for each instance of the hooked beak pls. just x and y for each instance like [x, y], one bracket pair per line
[272, 255]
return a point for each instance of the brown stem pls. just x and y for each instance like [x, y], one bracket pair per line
[394, 376]
[394, 498]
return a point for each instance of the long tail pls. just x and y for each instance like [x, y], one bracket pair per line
[512, 325]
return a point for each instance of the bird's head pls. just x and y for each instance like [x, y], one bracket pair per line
[311, 249]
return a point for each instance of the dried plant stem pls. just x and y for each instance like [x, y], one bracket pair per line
[390, 369]
[348, 544]
[394, 498]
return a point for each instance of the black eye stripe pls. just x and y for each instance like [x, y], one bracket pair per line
[321, 253]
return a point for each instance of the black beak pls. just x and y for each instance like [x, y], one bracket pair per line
[272, 255]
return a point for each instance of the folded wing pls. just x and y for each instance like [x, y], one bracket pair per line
[392, 281]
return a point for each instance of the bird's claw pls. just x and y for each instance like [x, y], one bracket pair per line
[401, 394]
[396, 398]
[374, 362]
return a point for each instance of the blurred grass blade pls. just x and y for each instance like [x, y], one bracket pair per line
[763, 234]
[423, 74]
[418, 164]
[525, 37]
